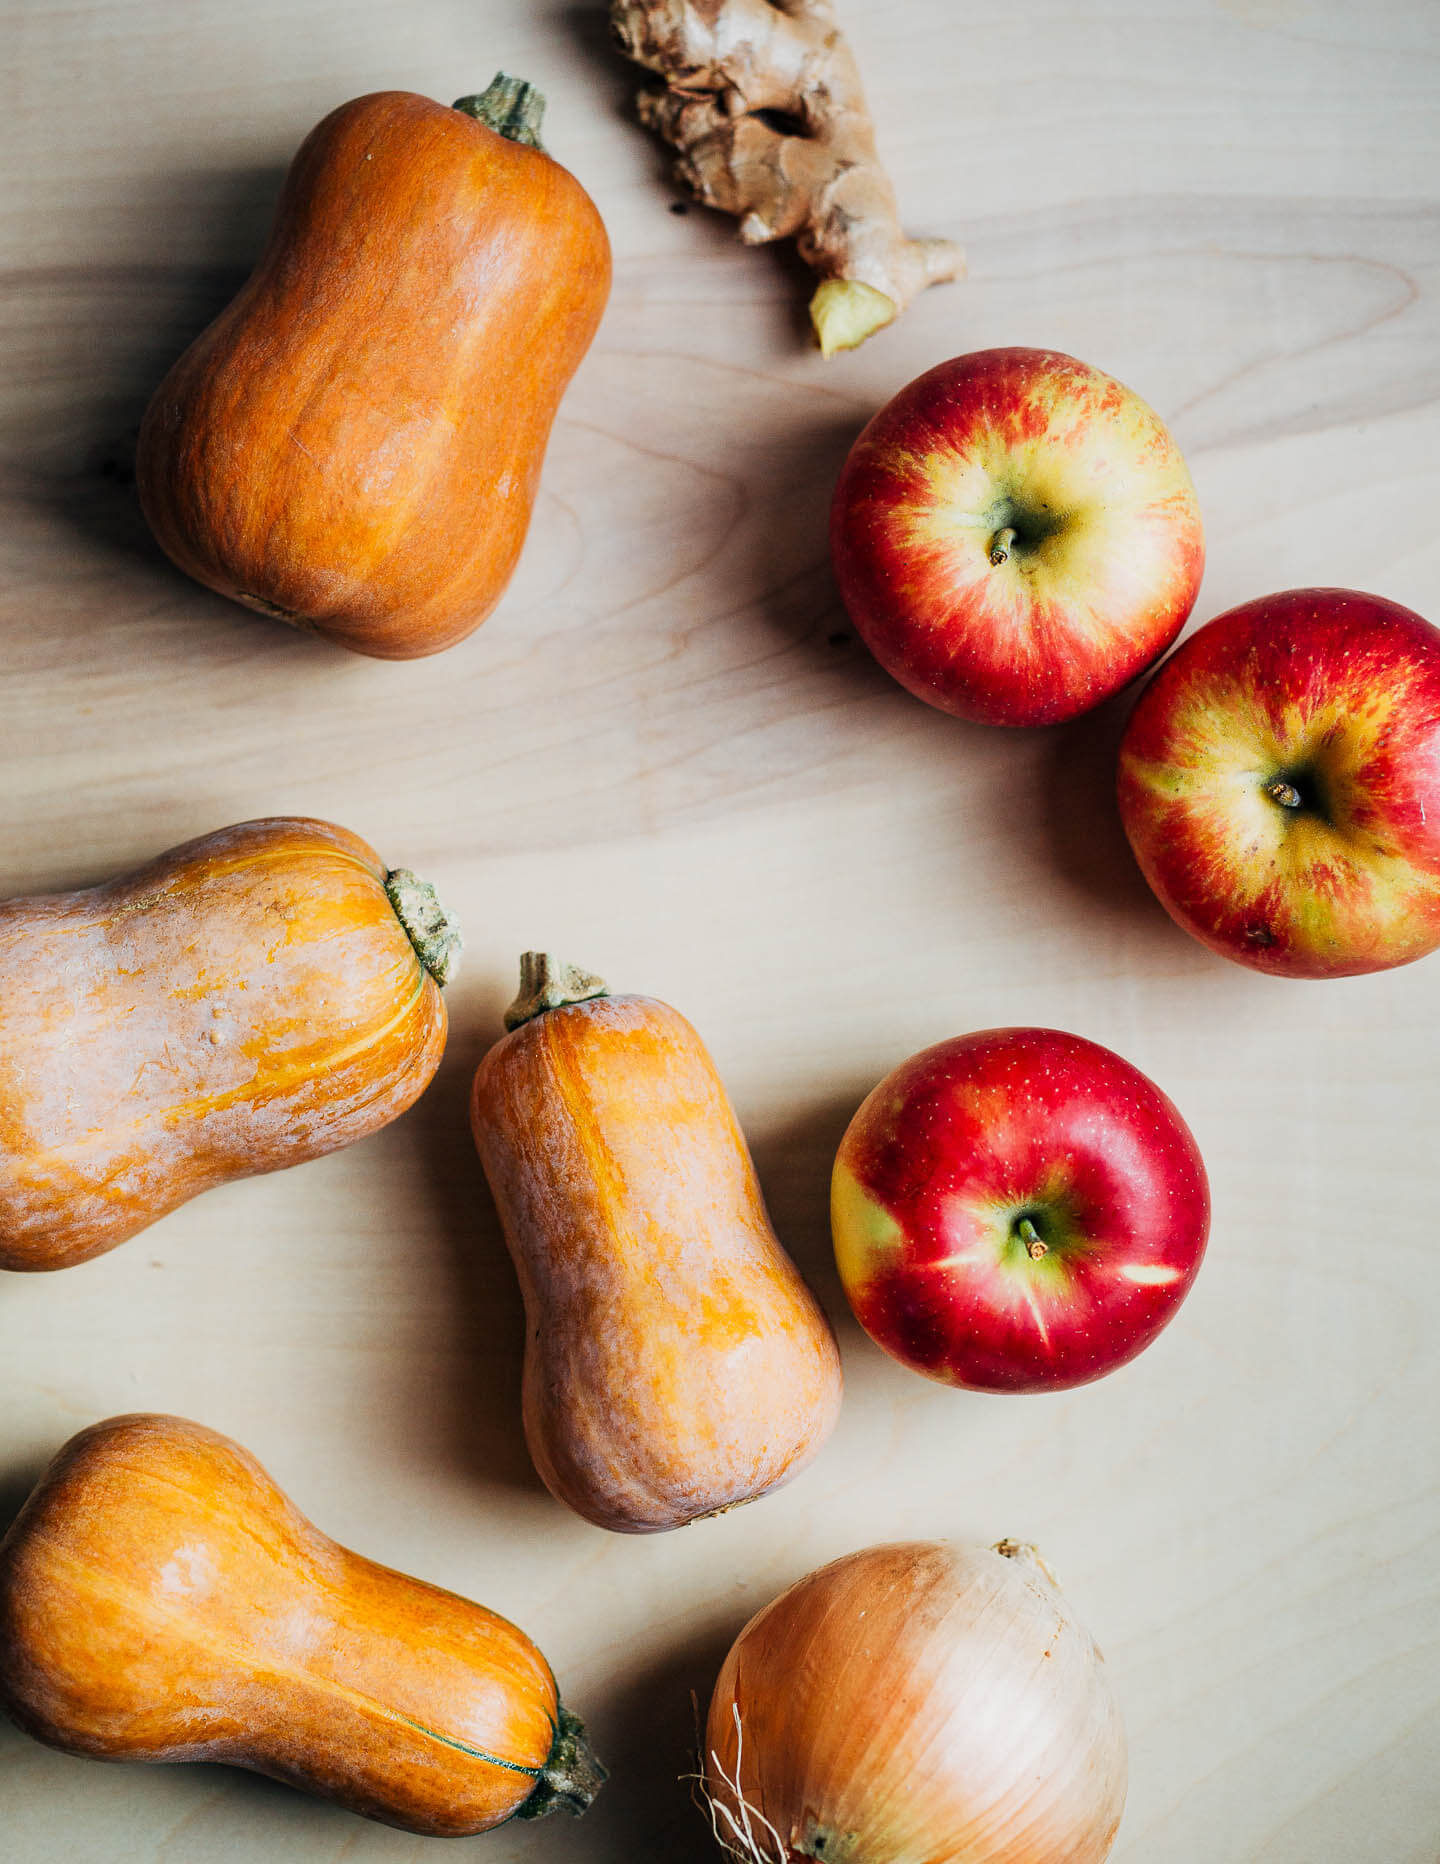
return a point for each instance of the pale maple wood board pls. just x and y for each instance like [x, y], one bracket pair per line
[666, 757]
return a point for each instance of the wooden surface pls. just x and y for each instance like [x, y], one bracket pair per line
[666, 757]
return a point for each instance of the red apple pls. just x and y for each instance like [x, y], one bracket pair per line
[1019, 1210]
[1016, 536]
[1280, 784]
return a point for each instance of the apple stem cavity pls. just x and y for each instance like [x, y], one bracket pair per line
[1002, 544]
[1035, 1244]
[1283, 793]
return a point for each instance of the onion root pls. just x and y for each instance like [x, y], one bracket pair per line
[744, 1839]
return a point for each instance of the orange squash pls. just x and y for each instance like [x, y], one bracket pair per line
[354, 445]
[675, 1362]
[251, 999]
[161, 1600]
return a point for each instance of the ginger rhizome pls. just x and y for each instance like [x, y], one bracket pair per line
[762, 101]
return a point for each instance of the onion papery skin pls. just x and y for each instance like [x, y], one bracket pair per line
[920, 1703]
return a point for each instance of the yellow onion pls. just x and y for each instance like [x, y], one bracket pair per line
[916, 1704]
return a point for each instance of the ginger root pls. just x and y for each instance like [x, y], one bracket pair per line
[762, 99]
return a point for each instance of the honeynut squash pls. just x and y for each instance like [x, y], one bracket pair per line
[249, 1000]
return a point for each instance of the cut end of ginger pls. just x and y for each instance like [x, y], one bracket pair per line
[844, 311]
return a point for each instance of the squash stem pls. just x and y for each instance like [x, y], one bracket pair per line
[572, 1776]
[430, 929]
[549, 983]
[511, 107]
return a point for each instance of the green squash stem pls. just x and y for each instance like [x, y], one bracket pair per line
[430, 929]
[572, 1775]
[548, 983]
[511, 107]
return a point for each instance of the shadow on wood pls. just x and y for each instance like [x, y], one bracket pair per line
[1081, 823]
[653, 1725]
[15, 1485]
[588, 29]
[93, 343]
[477, 1423]
[794, 1161]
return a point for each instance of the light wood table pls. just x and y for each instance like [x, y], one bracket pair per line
[667, 757]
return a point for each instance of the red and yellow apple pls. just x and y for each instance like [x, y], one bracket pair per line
[1016, 537]
[1017, 1210]
[1280, 784]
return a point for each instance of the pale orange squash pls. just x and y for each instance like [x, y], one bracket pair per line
[675, 1362]
[251, 999]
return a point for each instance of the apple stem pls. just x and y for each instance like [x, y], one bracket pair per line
[1283, 793]
[1035, 1244]
[1002, 544]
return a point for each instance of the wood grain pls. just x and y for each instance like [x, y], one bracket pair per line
[666, 757]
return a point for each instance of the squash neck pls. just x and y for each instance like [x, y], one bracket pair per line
[512, 107]
[549, 983]
[571, 1777]
[430, 929]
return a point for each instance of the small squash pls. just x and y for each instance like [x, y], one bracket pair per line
[675, 1362]
[251, 999]
[354, 445]
[161, 1600]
